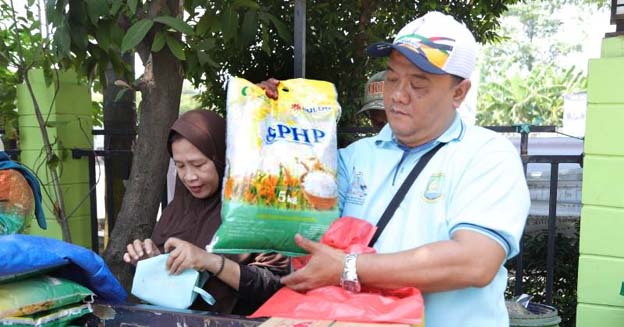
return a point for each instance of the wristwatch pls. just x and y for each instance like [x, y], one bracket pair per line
[349, 280]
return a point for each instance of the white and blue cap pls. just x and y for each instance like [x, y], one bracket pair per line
[436, 43]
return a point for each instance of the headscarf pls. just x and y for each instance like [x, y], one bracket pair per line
[197, 220]
[187, 217]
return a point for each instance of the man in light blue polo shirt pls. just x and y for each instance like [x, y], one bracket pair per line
[463, 216]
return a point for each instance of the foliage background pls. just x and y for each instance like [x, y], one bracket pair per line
[526, 72]
[336, 38]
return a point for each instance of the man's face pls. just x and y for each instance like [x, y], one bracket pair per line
[420, 106]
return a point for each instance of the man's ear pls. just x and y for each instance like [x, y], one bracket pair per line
[460, 91]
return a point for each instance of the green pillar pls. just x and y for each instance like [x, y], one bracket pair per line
[69, 126]
[601, 262]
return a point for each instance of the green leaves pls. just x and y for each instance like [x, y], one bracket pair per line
[132, 6]
[245, 37]
[229, 23]
[115, 6]
[532, 98]
[176, 47]
[159, 41]
[525, 75]
[175, 23]
[204, 58]
[62, 39]
[55, 11]
[265, 40]
[96, 9]
[249, 28]
[120, 94]
[206, 23]
[249, 4]
[135, 34]
[103, 35]
[282, 30]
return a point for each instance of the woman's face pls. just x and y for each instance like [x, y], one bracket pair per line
[197, 172]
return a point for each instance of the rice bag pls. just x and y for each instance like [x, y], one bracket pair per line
[17, 202]
[281, 166]
[52, 318]
[37, 294]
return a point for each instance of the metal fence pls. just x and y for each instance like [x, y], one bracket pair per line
[554, 161]
[524, 130]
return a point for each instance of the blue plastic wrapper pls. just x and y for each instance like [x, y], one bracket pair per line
[27, 255]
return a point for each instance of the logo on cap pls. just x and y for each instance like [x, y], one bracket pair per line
[435, 49]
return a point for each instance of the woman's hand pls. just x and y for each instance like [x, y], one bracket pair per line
[184, 255]
[270, 87]
[139, 250]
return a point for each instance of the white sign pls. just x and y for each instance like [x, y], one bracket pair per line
[574, 109]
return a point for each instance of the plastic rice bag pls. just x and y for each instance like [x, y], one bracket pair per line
[52, 318]
[17, 202]
[37, 294]
[281, 166]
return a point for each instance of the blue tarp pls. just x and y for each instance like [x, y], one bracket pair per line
[21, 254]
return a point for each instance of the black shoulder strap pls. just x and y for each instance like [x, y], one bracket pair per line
[400, 194]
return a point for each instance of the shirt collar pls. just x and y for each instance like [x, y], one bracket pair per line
[455, 132]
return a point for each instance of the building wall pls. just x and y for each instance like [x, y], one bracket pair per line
[69, 125]
[601, 262]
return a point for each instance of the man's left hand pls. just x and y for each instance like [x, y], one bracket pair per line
[324, 268]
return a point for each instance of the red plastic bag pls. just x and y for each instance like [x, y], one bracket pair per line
[352, 235]
[346, 233]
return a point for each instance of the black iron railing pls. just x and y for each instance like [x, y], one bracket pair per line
[554, 161]
[108, 203]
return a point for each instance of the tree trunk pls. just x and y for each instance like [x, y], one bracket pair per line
[120, 122]
[159, 108]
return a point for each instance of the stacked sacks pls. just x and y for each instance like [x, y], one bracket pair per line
[27, 297]
[47, 282]
[43, 282]
[42, 301]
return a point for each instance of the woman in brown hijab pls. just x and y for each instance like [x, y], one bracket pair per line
[243, 282]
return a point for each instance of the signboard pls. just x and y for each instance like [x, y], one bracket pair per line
[574, 109]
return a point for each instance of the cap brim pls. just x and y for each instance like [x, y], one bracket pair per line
[383, 49]
[373, 105]
[379, 49]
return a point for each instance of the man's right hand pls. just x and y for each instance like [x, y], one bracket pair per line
[270, 87]
[139, 250]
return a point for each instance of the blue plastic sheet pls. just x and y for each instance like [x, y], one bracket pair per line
[25, 254]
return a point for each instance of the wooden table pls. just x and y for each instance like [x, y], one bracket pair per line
[139, 315]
